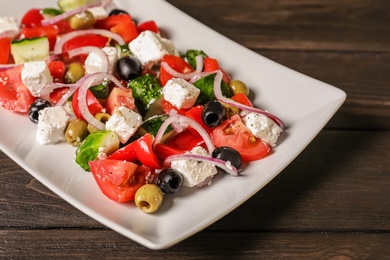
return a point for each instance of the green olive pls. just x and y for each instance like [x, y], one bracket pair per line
[74, 72]
[237, 86]
[102, 117]
[230, 110]
[76, 132]
[82, 20]
[148, 198]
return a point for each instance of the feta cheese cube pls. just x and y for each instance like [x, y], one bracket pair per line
[263, 127]
[195, 172]
[52, 122]
[180, 93]
[149, 47]
[93, 63]
[98, 12]
[124, 122]
[8, 23]
[36, 75]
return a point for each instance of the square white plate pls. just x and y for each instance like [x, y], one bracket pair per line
[305, 105]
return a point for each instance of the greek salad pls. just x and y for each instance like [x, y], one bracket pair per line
[145, 118]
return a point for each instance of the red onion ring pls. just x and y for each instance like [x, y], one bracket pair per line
[66, 37]
[186, 76]
[91, 49]
[67, 14]
[88, 81]
[180, 119]
[45, 92]
[218, 95]
[217, 162]
[8, 66]
[9, 34]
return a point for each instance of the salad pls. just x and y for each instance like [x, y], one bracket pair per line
[145, 118]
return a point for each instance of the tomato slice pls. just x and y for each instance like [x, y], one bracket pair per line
[140, 150]
[148, 26]
[211, 64]
[119, 180]
[14, 95]
[145, 153]
[196, 114]
[121, 24]
[57, 70]
[5, 47]
[232, 132]
[51, 31]
[179, 144]
[120, 97]
[85, 40]
[175, 62]
[167, 107]
[93, 104]
[32, 18]
[242, 98]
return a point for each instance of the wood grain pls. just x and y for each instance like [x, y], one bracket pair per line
[331, 202]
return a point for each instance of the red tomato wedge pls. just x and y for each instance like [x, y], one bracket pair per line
[119, 180]
[210, 64]
[145, 153]
[139, 150]
[176, 63]
[120, 97]
[232, 132]
[14, 95]
[242, 98]
[32, 18]
[121, 24]
[93, 104]
[148, 26]
[85, 40]
[5, 47]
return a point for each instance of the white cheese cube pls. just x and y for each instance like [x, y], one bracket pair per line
[180, 93]
[8, 23]
[149, 47]
[36, 75]
[93, 63]
[98, 12]
[195, 172]
[52, 122]
[124, 122]
[263, 127]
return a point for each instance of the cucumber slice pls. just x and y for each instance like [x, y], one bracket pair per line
[67, 5]
[30, 49]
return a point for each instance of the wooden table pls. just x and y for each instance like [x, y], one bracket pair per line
[333, 201]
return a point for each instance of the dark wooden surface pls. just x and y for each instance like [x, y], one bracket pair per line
[332, 202]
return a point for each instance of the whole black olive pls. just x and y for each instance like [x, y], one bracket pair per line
[38, 105]
[128, 68]
[230, 154]
[213, 113]
[117, 11]
[170, 181]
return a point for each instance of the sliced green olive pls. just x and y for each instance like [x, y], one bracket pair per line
[237, 86]
[82, 20]
[74, 72]
[148, 198]
[102, 117]
[76, 132]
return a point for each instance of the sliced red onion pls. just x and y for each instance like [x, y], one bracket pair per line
[9, 34]
[180, 119]
[66, 37]
[218, 95]
[45, 92]
[217, 162]
[177, 127]
[201, 75]
[186, 76]
[67, 14]
[88, 81]
[92, 49]
[68, 94]
[8, 66]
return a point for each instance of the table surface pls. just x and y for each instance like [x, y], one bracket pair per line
[331, 202]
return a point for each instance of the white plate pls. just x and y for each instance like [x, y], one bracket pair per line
[305, 105]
